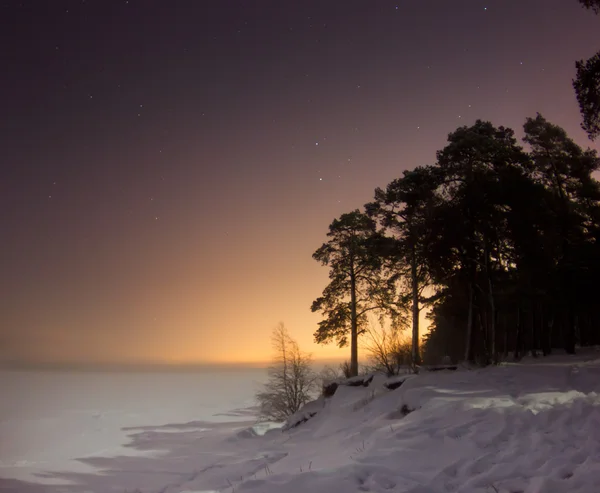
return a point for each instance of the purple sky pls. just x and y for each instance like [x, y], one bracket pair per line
[169, 167]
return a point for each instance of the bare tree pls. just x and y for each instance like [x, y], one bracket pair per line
[291, 379]
[389, 350]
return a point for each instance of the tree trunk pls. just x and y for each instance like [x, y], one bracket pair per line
[505, 328]
[354, 328]
[482, 356]
[570, 330]
[519, 334]
[416, 357]
[541, 325]
[588, 331]
[491, 324]
[533, 328]
[468, 344]
[548, 335]
[492, 320]
[281, 334]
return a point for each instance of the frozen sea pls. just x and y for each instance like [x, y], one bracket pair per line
[51, 420]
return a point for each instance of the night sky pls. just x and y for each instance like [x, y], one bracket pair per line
[169, 167]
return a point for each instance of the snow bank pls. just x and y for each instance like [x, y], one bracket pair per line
[531, 428]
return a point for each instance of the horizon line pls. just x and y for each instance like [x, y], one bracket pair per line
[149, 365]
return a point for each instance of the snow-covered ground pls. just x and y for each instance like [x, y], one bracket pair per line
[50, 420]
[532, 427]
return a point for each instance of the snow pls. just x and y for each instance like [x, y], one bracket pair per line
[50, 420]
[529, 427]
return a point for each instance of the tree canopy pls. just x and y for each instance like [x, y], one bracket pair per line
[587, 85]
[503, 237]
[356, 285]
[403, 210]
[587, 89]
[591, 4]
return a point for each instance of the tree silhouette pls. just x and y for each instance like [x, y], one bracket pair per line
[403, 209]
[468, 249]
[591, 4]
[565, 171]
[356, 284]
[517, 251]
[506, 238]
[291, 382]
[587, 89]
[587, 85]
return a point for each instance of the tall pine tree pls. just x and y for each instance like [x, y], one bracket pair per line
[356, 284]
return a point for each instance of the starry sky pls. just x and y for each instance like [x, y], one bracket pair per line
[169, 167]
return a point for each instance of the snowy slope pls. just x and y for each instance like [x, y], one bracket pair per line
[532, 427]
[515, 428]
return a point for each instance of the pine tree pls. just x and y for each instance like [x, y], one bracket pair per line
[356, 284]
[587, 85]
[404, 210]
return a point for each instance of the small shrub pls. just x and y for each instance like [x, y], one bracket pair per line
[346, 369]
[390, 351]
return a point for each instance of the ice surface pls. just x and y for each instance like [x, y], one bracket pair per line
[530, 427]
[49, 420]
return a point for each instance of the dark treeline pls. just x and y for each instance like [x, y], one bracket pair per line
[516, 256]
[500, 241]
